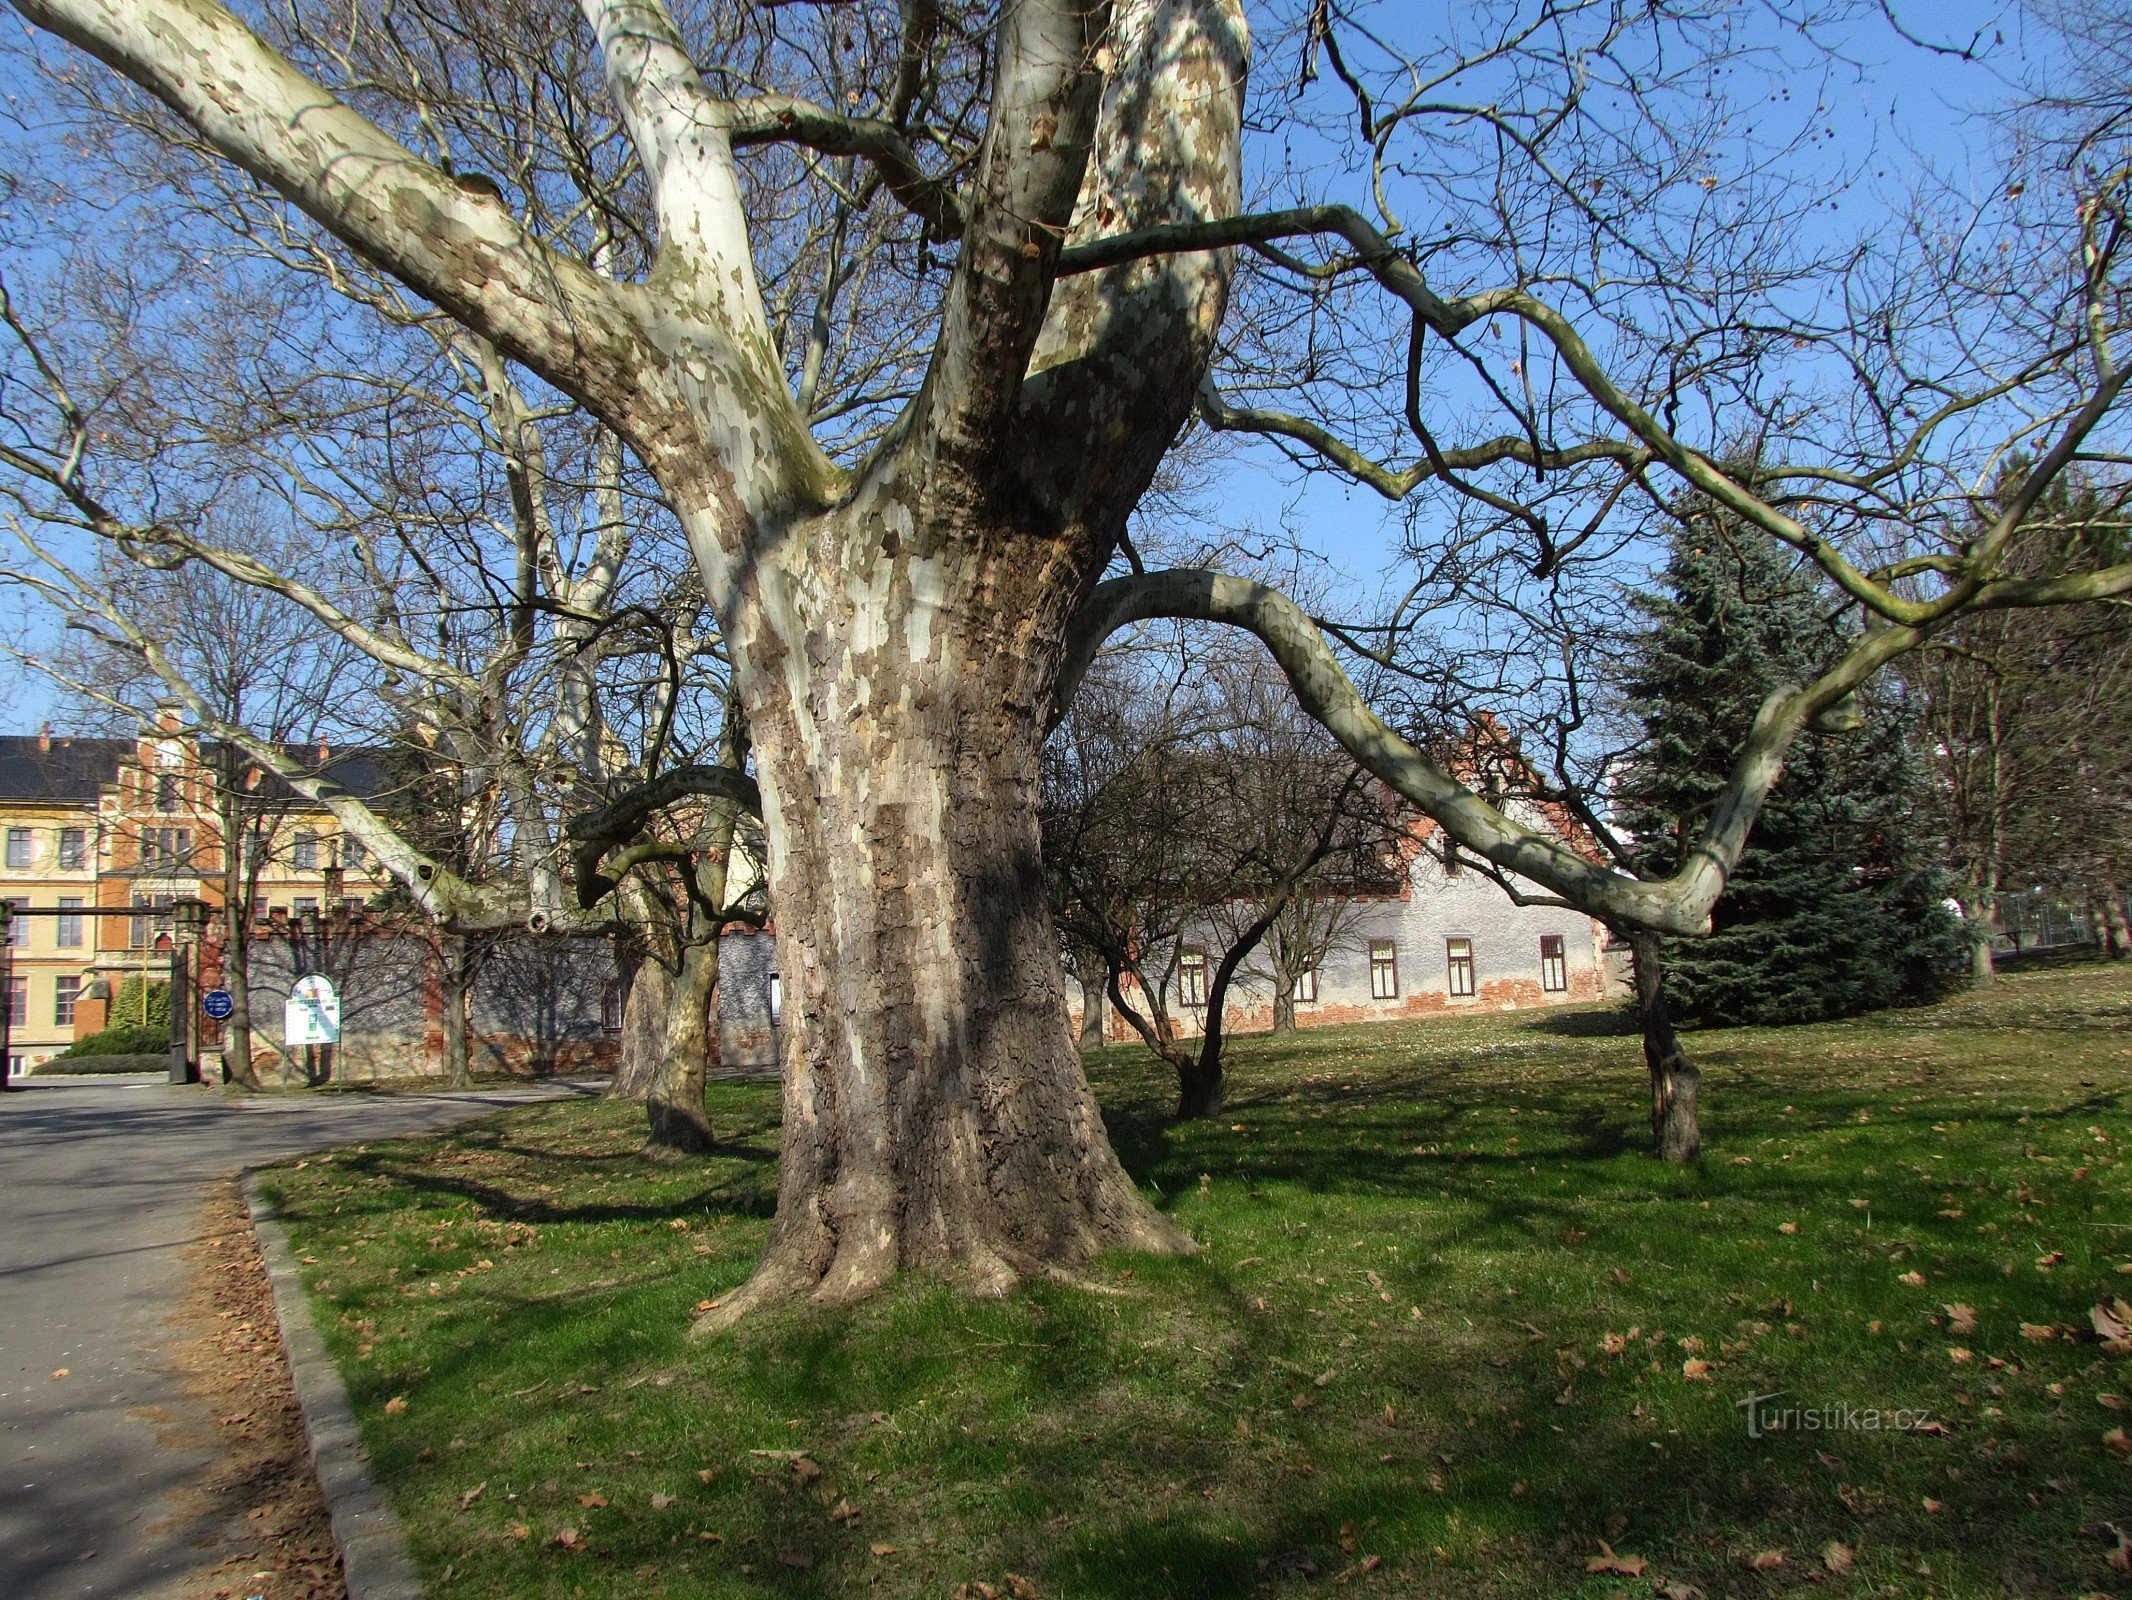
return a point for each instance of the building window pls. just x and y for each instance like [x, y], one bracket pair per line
[18, 1002]
[18, 847]
[304, 857]
[1306, 984]
[144, 927]
[1458, 956]
[304, 905]
[63, 998]
[611, 1006]
[1452, 865]
[353, 856]
[18, 928]
[166, 792]
[70, 928]
[1384, 970]
[777, 1000]
[166, 847]
[1192, 977]
[73, 849]
[1554, 966]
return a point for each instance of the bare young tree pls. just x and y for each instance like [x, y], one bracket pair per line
[1184, 820]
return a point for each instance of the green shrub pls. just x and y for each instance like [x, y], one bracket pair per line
[123, 1039]
[126, 1009]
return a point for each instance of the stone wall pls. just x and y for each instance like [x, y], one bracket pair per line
[535, 1007]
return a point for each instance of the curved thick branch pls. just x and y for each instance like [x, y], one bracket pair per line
[785, 118]
[621, 820]
[457, 246]
[1680, 904]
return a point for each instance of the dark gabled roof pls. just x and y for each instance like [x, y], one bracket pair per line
[71, 771]
[360, 772]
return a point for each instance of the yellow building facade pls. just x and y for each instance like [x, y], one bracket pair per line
[132, 826]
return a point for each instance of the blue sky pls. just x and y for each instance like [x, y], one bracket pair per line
[1897, 109]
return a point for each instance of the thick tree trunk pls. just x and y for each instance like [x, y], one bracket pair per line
[643, 1043]
[1676, 1085]
[236, 978]
[935, 1110]
[1091, 1013]
[673, 1104]
[1979, 909]
[1283, 1003]
[452, 986]
[2116, 930]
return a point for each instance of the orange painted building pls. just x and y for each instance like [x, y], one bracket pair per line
[135, 825]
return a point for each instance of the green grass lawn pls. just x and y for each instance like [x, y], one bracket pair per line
[1449, 1331]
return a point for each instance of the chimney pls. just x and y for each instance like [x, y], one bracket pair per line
[44, 738]
[169, 716]
[324, 750]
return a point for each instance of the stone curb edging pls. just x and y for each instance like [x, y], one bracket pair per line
[374, 1556]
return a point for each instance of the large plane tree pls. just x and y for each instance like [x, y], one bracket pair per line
[905, 597]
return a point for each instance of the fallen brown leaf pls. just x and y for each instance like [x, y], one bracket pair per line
[1695, 1369]
[1838, 1556]
[1913, 1278]
[592, 1501]
[1767, 1560]
[1934, 1507]
[520, 1531]
[2038, 1332]
[1961, 1319]
[1020, 1587]
[396, 1405]
[2116, 1443]
[659, 1502]
[473, 1494]
[568, 1538]
[1608, 1561]
[881, 1549]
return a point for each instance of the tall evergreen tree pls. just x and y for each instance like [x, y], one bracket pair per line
[1838, 903]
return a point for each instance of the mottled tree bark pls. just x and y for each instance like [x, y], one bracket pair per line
[452, 990]
[935, 1111]
[1979, 910]
[676, 1120]
[237, 1064]
[1676, 1084]
[644, 1010]
[1091, 1012]
[1284, 1003]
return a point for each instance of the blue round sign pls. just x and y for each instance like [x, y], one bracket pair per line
[217, 1004]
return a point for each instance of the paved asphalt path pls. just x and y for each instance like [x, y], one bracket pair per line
[101, 1187]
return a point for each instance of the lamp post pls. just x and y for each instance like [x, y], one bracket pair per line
[189, 919]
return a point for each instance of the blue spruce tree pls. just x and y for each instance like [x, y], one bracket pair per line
[1837, 905]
